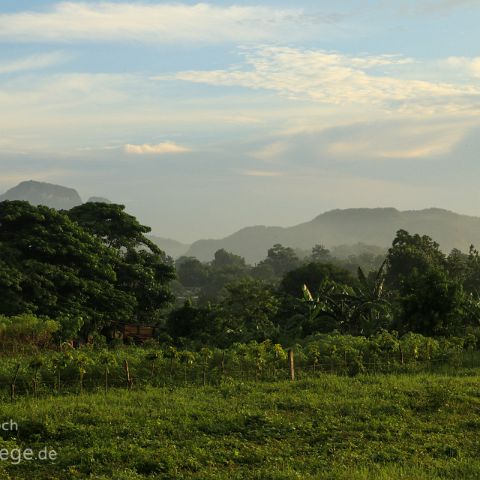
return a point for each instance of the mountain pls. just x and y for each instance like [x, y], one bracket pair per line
[170, 247]
[362, 227]
[40, 193]
[372, 226]
[49, 194]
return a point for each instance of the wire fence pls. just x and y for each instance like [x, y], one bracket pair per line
[174, 375]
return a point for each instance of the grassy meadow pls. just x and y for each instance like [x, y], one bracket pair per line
[407, 426]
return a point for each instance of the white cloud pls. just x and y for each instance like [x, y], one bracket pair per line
[33, 62]
[333, 78]
[463, 65]
[159, 149]
[174, 22]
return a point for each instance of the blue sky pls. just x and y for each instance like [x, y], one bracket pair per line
[206, 117]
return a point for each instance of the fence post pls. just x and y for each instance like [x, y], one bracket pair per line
[291, 363]
[106, 379]
[14, 381]
[127, 374]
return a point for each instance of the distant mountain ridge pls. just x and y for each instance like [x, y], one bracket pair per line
[173, 248]
[371, 226]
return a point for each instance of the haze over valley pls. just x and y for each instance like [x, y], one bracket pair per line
[356, 228]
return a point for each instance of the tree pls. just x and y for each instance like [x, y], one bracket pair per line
[147, 276]
[313, 275]
[430, 298]
[110, 223]
[281, 260]
[192, 272]
[201, 325]
[143, 269]
[458, 263]
[471, 273]
[249, 309]
[54, 268]
[225, 260]
[409, 252]
[320, 254]
[225, 268]
[432, 304]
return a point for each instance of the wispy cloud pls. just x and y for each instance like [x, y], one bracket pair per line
[158, 149]
[271, 151]
[333, 78]
[176, 22]
[65, 90]
[33, 62]
[261, 173]
[395, 140]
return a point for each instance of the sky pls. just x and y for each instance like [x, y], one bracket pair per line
[203, 118]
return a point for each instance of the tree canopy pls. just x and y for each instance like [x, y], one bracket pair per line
[85, 276]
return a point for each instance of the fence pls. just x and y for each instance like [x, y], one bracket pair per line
[172, 373]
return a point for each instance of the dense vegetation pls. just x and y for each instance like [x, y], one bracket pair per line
[92, 267]
[84, 268]
[35, 371]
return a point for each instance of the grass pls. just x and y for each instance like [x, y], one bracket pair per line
[368, 427]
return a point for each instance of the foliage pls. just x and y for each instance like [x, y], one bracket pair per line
[26, 329]
[280, 260]
[56, 269]
[142, 268]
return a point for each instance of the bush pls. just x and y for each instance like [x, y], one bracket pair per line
[26, 330]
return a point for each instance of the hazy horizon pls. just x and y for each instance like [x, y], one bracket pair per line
[204, 118]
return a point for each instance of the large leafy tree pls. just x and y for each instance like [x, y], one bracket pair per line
[224, 269]
[432, 304]
[110, 223]
[280, 260]
[225, 261]
[429, 288]
[143, 270]
[192, 272]
[249, 309]
[410, 252]
[50, 266]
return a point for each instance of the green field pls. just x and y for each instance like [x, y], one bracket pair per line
[415, 427]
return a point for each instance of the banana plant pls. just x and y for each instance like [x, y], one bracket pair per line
[372, 309]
